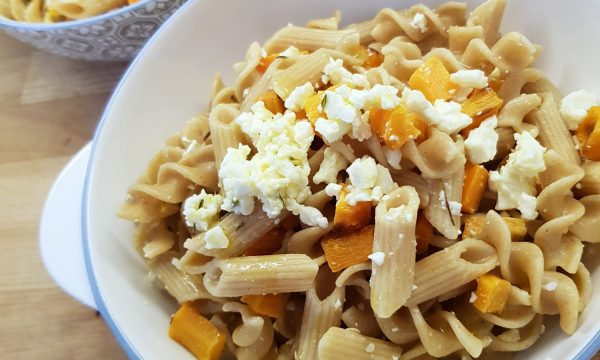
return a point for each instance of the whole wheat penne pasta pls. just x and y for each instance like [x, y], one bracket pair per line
[340, 343]
[394, 248]
[224, 132]
[255, 275]
[305, 39]
[451, 268]
[308, 69]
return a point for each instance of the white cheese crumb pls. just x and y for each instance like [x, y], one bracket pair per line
[290, 52]
[335, 73]
[201, 210]
[414, 287]
[332, 129]
[451, 119]
[415, 101]
[333, 162]
[481, 144]
[527, 206]
[551, 286]
[338, 304]
[377, 257]
[455, 207]
[419, 22]
[520, 172]
[369, 181]
[574, 107]
[370, 348]
[297, 98]
[393, 157]
[473, 297]
[215, 238]
[381, 96]
[333, 190]
[474, 79]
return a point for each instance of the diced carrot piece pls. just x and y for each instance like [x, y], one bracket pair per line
[395, 127]
[197, 334]
[313, 107]
[423, 234]
[433, 80]
[347, 217]
[476, 179]
[492, 293]
[267, 244]
[265, 62]
[480, 105]
[272, 102]
[267, 305]
[349, 249]
[588, 134]
[474, 226]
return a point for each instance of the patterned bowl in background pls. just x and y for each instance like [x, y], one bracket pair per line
[114, 36]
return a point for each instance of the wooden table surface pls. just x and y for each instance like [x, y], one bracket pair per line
[49, 107]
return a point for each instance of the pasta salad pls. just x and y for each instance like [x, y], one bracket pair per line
[407, 187]
[52, 11]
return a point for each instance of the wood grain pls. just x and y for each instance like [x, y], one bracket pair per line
[46, 115]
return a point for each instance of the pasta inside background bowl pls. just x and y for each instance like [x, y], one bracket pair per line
[170, 82]
[116, 35]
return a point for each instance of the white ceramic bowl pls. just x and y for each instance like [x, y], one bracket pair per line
[170, 81]
[114, 36]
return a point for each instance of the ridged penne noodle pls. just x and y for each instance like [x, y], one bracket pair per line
[268, 274]
[306, 70]
[394, 242]
[554, 134]
[339, 343]
[305, 39]
[450, 268]
[319, 315]
[241, 230]
[182, 286]
[224, 132]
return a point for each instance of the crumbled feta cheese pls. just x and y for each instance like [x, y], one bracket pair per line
[215, 238]
[393, 157]
[201, 210]
[297, 98]
[338, 304]
[519, 174]
[335, 73]
[277, 174]
[473, 297]
[451, 120]
[574, 107]
[381, 96]
[337, 107]
[473, 79]
[361, 128]
[419, 22]
[290, 52]
[369, 181]
[527, 206]
[415, 102]
[551, 286]
[333, 190]
[481, 143]
[377, 257]
[332, 129]
[455, 207]
[370, 348]
[333, 162]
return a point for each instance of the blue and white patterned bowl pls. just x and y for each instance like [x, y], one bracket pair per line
[114, 36]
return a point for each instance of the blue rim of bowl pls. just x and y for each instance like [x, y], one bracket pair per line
[584, 354]
[112, 324]
[7, 23]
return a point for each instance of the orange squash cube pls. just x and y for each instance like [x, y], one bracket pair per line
[433, 80]
[480, 105]
[196, 333]
[347, 217]
[492, 293]
[272, 102]
[267, 305]
[588, 134]
[349, 249]
[475, 182]
[265, 62]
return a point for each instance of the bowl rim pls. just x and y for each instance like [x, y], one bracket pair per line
[586, 352]
[121, 337]
[12, 24]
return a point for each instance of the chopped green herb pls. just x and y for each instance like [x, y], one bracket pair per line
[324, 101]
